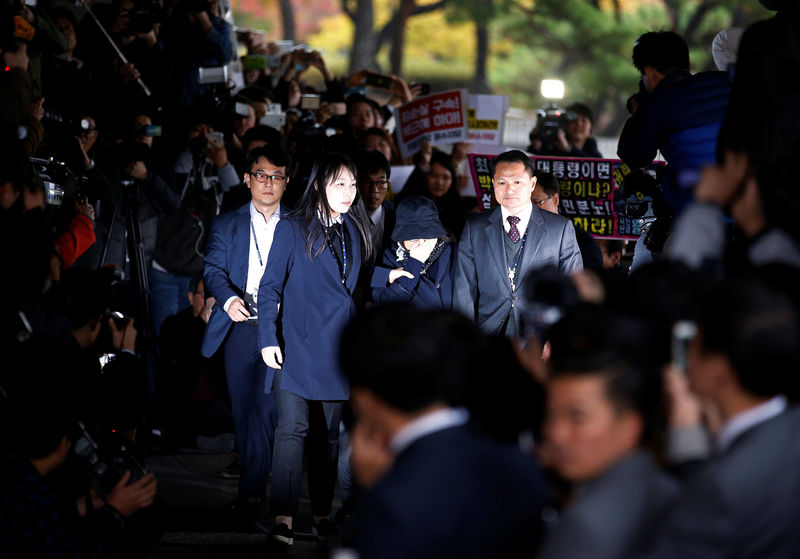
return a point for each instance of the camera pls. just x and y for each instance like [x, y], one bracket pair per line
[547, 296]
[550, 118]
[58, 181]
[641, 198]
[142, 16]
[105, 467]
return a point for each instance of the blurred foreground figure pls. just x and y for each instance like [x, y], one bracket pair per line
[743, 503]
[435, 488]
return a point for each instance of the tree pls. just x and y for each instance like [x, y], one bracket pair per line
[287, 19]
[367, 40]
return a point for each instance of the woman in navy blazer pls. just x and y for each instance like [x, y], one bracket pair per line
[304, 301]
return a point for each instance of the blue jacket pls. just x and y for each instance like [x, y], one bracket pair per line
[681, 117]
[225, 274]
[314, 308]
[433, 290]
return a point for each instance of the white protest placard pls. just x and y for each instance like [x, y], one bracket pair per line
[486, 118]
[440, 118]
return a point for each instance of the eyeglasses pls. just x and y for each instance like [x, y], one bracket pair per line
[381, 185]
[262, 178]
[541, 202]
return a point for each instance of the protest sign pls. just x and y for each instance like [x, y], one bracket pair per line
[439, 118]
[486, 118]
[588, 191]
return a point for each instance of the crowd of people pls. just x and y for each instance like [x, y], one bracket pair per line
[181, 261]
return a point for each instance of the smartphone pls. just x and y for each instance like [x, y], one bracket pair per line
[216, 138]
[425, 89]
[275, 120]
[218, 74]
[339, 108]
[105, 359]
[309, 101]
[378, 80]
[152, 130]
[683, 332]
[255, 62]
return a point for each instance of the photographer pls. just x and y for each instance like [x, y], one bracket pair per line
[566, 134]
[39, 514]
[195, 37]
[202, 174]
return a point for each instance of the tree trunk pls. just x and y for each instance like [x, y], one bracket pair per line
[287, 18]
[479, 82]
[399, 36]
[365, 40]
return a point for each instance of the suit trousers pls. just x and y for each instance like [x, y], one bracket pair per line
[299, 419]
[253, 409]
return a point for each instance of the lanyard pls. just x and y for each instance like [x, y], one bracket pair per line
[512, 272]
[255, 240]
[344, 251]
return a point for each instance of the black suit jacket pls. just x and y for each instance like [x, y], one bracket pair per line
[453, 494]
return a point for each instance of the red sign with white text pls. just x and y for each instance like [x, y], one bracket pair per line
[440, 118]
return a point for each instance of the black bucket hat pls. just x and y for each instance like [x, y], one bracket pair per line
[417, 218]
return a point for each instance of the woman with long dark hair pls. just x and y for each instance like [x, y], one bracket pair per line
[304, 301]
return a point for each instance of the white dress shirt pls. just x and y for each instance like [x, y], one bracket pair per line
[261, 243]
[524, 217]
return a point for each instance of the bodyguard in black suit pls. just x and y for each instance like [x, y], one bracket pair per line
[500, 248]
[238, 252]
[436, 488]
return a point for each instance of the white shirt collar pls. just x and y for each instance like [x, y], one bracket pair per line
[376, 215]
[254, 214]
[748, 419]
[426, 425]
[330, 221]
[524, 217]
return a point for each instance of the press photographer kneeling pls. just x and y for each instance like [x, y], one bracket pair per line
[47, 508]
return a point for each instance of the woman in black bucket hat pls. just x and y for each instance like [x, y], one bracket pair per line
[422, 250]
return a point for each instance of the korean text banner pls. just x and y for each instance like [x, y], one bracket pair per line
[589, 189]
[439, 118]
[486, 118]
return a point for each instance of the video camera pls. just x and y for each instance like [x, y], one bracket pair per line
[641, 197]
[107, 466]
[142, 16]
[58, 181]
[550, 118]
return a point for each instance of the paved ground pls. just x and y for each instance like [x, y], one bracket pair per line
[196, 522]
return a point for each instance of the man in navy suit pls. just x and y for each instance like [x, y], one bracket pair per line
[435, 487]
[238, 252]
[500, 248]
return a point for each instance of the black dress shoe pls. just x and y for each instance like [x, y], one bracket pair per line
[231, 471]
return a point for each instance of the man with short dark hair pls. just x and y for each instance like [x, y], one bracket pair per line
[600, 405]
[436, 489]
[500, 248]
[743, 502]
[374, 172]
[679, 114]
[237, 255]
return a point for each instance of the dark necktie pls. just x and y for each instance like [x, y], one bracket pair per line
[513, 232]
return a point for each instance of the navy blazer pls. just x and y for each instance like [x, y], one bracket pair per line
[453, 495]
[225, 274]
[482, 289]
[434, 290]
[304, 301]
